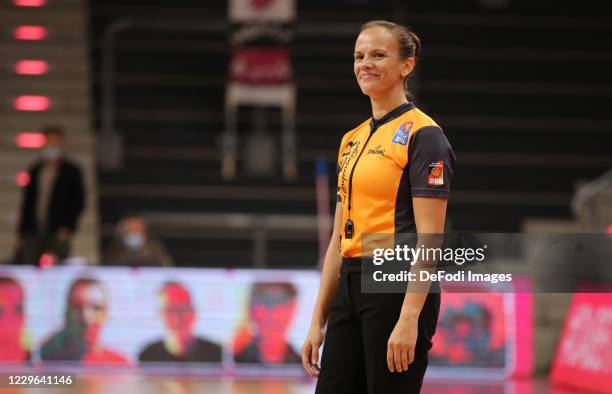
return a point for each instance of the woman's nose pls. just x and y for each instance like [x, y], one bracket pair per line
[366, 63]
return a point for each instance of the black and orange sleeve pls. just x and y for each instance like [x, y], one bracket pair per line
[431, 163]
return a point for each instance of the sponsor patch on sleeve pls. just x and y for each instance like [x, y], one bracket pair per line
[401, 135]
[436, 173]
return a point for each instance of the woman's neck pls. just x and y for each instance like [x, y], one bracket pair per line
[387, 103]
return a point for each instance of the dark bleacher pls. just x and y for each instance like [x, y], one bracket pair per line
[522, 93]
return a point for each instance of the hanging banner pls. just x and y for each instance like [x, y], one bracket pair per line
[261, 10]
[260, 65]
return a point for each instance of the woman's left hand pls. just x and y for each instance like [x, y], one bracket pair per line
[401, 344]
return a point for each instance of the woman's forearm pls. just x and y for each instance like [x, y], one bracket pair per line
[328, 284]
[329, 273]
[429, 214]
[412, 306]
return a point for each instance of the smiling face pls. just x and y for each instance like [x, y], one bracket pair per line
[377, 62]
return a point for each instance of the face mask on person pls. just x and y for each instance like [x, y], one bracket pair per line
[51, 153]
[134, 241]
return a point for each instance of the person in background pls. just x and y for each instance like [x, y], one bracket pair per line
[12, 320]
[134, 247]
[80, 338]
[52, 202]
[263, 341]
[180, 344]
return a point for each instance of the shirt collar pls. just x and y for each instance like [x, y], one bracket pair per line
[394, 114]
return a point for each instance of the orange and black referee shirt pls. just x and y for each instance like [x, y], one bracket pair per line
[382, 164]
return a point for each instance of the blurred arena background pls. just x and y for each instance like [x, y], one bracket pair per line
[211, 128]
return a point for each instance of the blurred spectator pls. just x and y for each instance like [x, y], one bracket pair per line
[263, 339]
[12, 319]
[134, 247]
[180, 343]
[52, 203]
[79, 339]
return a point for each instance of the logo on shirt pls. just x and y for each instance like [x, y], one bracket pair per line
[436, 173]
[348, 155]
[347, 149]
[401, 135]
[376, 151]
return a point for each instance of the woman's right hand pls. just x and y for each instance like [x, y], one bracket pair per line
[310, 350]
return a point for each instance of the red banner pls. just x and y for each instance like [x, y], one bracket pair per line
[584, 357]
[258, 65]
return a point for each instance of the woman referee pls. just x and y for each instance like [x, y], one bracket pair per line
[394, 172]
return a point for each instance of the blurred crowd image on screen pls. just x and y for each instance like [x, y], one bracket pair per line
[180, 344]
[263, 338]
[14, 341]
[80, 337]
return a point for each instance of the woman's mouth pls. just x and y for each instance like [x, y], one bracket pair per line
[368, 76]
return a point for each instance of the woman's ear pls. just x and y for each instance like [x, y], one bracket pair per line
[407, 66]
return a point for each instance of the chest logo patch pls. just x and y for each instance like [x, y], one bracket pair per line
[377, 151]
[436, 173]
[401, 135]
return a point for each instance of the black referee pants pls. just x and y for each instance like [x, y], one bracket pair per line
[354, 359]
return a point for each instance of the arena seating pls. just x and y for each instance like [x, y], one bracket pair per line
[526, 122]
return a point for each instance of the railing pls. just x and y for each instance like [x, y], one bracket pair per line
[260, 229]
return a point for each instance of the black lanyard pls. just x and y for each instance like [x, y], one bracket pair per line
[349, 227]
